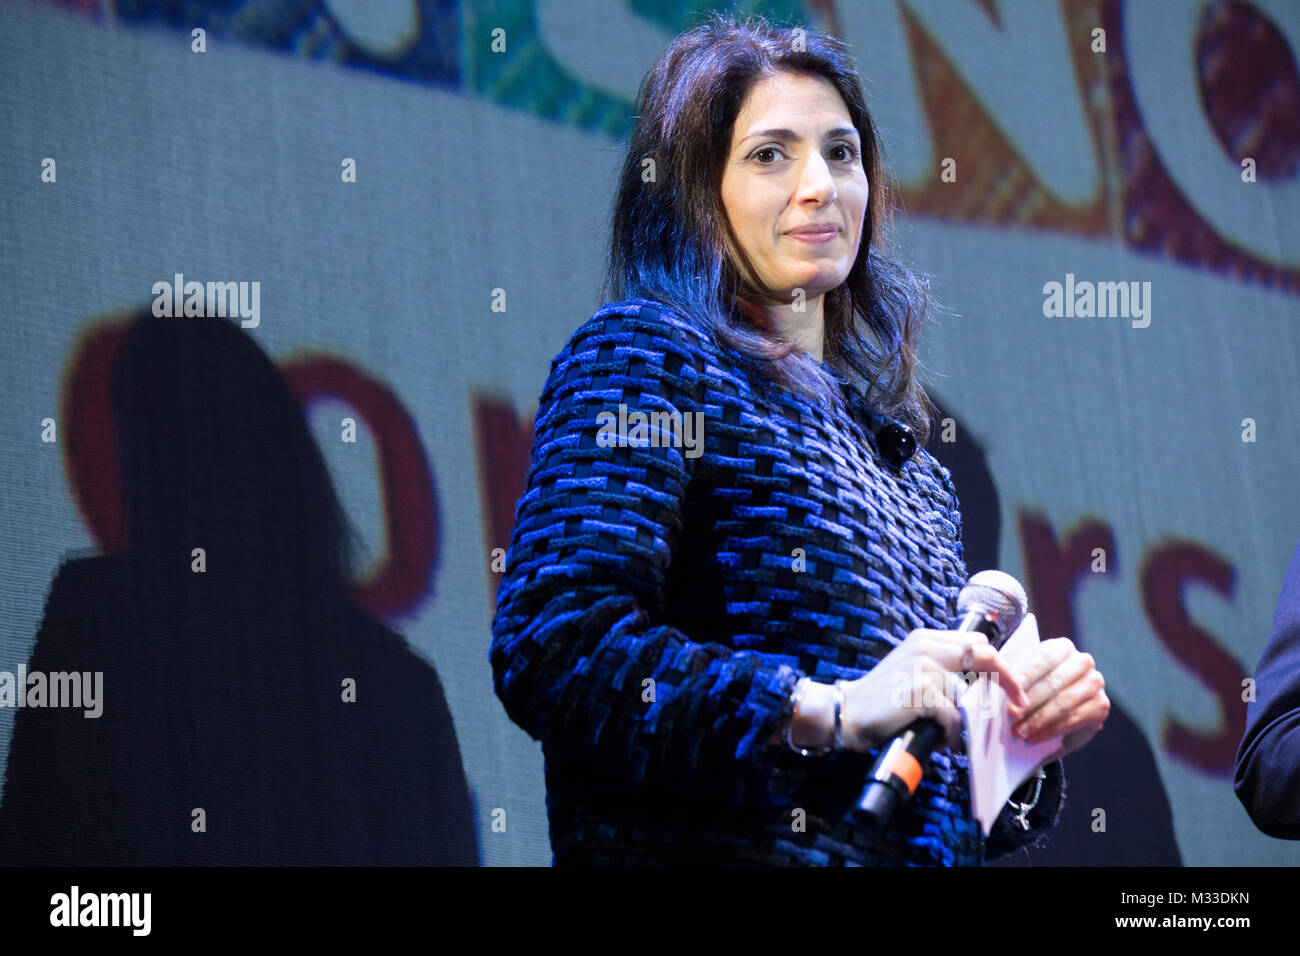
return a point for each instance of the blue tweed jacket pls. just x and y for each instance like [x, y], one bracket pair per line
[661, 598]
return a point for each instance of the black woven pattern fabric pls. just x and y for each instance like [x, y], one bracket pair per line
[662, 598]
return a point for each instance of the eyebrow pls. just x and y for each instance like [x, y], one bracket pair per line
[789, 134]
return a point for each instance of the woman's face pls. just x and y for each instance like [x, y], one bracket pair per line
[795, 162]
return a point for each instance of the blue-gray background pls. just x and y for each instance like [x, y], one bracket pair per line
[482, 170]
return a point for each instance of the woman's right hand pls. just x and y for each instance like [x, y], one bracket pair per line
[919, 678]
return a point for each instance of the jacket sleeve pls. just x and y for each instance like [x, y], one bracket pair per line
[1007, 834]
[1267, 773]
[581, 654]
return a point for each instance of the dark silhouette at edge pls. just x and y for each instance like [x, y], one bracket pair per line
[225, 736]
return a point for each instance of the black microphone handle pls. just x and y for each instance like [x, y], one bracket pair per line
[899, 767]
[898, 771]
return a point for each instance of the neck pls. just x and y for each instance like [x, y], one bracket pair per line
[803, 325]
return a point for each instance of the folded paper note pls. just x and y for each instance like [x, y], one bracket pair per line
[999, 761]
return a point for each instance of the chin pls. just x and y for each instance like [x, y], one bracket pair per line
[821, 282]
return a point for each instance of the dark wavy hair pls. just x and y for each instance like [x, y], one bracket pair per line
[671, 239]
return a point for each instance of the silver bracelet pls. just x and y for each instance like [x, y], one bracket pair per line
[838, 739]
[804, 751]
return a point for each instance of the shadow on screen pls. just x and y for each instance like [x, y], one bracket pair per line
[1116, 771]
[250, 712]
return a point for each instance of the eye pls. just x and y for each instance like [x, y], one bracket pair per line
[760, 151]
[851, 151]
[848, 148]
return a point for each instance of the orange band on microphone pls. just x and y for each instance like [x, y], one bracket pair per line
[906, 767]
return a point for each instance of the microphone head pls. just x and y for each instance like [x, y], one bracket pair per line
[998, 596]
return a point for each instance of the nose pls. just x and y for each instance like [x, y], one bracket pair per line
[816, 182]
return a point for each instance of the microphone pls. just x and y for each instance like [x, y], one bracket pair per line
[992, 603]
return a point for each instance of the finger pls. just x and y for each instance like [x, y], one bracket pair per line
[987, 661]
[949, 647]
[1085, 721]
[1050, 686]
[1054, 695]
[1075, 706]
[962, 645]
[960, 637]
[935, 643]
[1050, 683]
[1045, 659]
[934, 690]
[928, 636]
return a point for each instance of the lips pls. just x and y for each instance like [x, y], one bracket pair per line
[814, 231]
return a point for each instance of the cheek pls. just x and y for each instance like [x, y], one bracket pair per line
[860, 200]
[739, 213]
[755, 229]
[755, 210]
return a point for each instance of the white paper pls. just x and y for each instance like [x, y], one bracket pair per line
[999, 761]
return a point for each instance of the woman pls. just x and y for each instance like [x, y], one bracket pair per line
[680, 620]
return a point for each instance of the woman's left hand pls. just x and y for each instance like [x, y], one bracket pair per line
[1067, 697]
